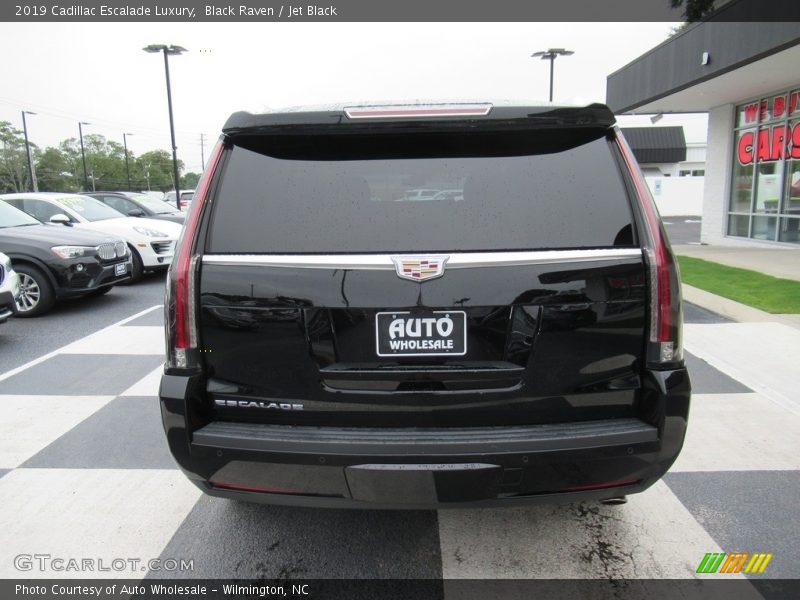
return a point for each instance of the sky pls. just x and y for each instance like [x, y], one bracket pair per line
[97, 72]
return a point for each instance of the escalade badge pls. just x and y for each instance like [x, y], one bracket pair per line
[419, 268]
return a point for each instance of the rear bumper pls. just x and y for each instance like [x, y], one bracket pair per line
[427, 468]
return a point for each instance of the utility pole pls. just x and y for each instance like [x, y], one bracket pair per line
[31, 170]
[127, 167]
[83, 155]
[202, 152]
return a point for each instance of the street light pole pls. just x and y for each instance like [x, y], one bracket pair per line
[31, 172]
[83, 155]
[127, 167]
[551, 54]
[167, 50]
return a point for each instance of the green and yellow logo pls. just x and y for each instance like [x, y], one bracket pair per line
[734, 562]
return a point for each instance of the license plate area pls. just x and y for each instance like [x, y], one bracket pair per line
[120, 269]
[421, 333]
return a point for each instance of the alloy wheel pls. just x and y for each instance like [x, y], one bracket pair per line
[30, 293]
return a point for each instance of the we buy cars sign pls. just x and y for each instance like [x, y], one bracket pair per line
[774, 143]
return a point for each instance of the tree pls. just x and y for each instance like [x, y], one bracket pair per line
[60, 168]
[56, 171]
[13, 160]
[154, 171]
[105, 163]
[695, 9]
[189, 181]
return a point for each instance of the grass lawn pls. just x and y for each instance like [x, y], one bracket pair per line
[768, 293]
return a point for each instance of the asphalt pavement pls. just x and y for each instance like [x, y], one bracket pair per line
[683, 230]
[85, 472]
[22, 340]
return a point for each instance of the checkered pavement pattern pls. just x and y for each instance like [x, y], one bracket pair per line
[85, 472]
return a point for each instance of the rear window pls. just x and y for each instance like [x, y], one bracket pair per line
[301, 197]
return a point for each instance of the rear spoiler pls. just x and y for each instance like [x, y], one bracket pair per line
[497, 118]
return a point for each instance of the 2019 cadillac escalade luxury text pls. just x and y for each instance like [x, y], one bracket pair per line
[334, 341]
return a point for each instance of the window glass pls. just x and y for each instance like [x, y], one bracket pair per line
[747, 114]
[739, 225]
[792, 205]
[764, 227]
[766, 167]
[13, 217]
[789, 230]
[742, 177]
[89, 208]
[566, 197]
[41, 210]
[153, 204]
[119, 203]
[769, 177]
[794, 104]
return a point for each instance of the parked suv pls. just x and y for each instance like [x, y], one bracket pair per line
[134, 204]
[517, 342]
[55, 262]
[151, 242]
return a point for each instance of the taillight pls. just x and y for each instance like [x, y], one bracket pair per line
[665, 296]
[180, 305]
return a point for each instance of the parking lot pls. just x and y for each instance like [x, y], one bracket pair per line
[85, 472]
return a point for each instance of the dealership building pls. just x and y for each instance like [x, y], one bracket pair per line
[745, 75]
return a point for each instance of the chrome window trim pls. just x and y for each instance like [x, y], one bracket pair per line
[460, 260]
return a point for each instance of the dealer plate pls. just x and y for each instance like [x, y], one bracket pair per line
[421, 333]
[120, 269]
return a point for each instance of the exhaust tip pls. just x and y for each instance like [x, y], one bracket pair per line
[614, 501]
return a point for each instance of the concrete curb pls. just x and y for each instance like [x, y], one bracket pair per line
[734, 310]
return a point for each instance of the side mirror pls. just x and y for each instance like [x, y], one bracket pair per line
[136, 212]
[61, 219]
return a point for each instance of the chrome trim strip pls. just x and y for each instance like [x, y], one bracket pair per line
[384, 262]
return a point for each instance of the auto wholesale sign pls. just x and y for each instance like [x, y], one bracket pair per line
[776, 138]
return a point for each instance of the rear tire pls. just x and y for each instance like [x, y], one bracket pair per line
[36, 293]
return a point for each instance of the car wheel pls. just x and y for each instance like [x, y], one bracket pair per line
[100, 291]
[36, 294]
[136, 268]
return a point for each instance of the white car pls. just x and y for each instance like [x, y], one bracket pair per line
[9, 289]
[186, 198]
[152, 242]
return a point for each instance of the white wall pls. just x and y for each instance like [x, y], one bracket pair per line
[677, 195]
[719, 160]
[696, 153]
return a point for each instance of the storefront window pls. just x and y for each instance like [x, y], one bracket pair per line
[768, 187]
[742, 193]
[790, 230]
[765, 182]
[739, 225]
[764, 228]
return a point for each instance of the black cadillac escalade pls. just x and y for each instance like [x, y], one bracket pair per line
[336, 338]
